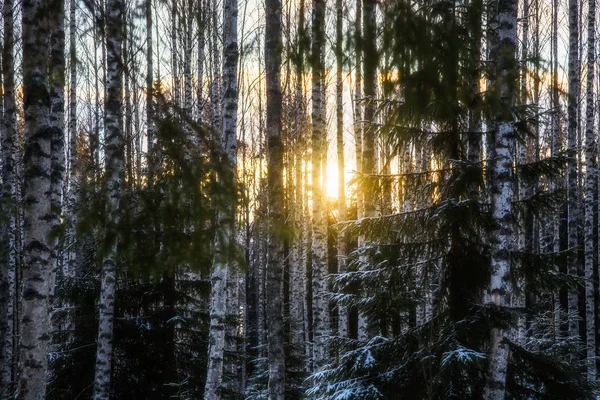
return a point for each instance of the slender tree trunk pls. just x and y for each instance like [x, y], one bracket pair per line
[358, 139]
[591, 179]
[503, 54]
[223, 263]
[339, 88]
[72, 180]
[298, 270]
[275, 151]
[572, 186]
[149, 94]
[201, 57]
[57, 121]
[556, 146]
[216, 87]
[37, 251]
[149, 88]
[128, 79]
[319, 225]
[522, 188]
[187, 60]
[9, 197]
[114, 177]
[174, 54]
[369, 161]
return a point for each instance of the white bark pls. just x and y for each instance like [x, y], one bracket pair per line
[36, 228]
[187, 60]
[201, 57]
[222, 263]
[175, 54]
[591, 179]
[114, 177]
[339, 87]
[9, 195]
[57, 122]
[572, 184]
[275, 190]
[358, 139]
[556, 145]
[216, 67]
[72, 162]
[319, 224]
[503, 143]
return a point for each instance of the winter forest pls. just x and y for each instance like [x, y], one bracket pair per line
[299, 199]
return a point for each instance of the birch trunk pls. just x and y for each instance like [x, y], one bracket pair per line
[72, 179]
[201, 58]
[523, 186]
[56, 79]
[503, 143]
[216, 87]
[319, 225]
[556, 145]
[9, 196]
[339, 88]
[591, 179]
[275, 190]
[358, 139]
[223, 263]
[174, 54]
[37, 251]
[369, 161]
[187, 61]
[298, 279]
[129, 80]
[114, 176]
[149, 94]
[572, 186]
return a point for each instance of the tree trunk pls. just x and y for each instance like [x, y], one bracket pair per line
[223, 263]
[114, 166]
[174, 54]
[37, 160]
[339, 88]
[187, 61]
[149, 94]
[319, 225]
[369, 162]
[215, 87]
[201, 57]
[72, 180]
[591, 179]
[298, 270]
[503, 143]
[572, 186]
[275, 150]
[9, 197]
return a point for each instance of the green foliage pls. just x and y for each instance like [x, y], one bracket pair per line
[166, 244]
[422, 276]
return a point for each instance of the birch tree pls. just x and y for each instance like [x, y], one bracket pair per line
[113, 181]
[572, 184]
[56, 73]
[368, 163]
[149, 93]
[319, 224]
[9, 197]
[503, 53]
[275, 190]
[72, 131]
[339, 89]
[36, 228]
[223, 262]
[591, 172]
